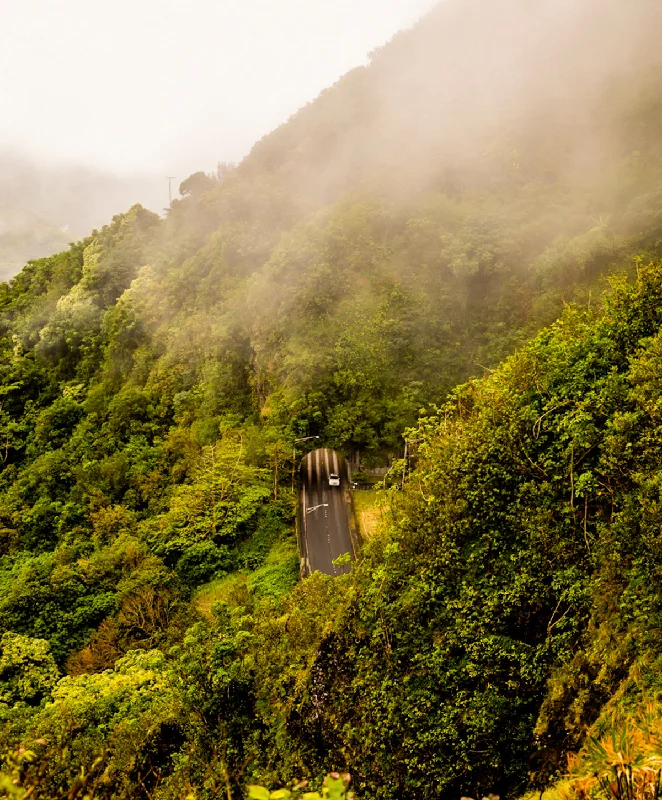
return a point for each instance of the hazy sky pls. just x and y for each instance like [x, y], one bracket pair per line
[173, 85]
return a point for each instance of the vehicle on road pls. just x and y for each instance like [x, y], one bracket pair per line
[334, 480]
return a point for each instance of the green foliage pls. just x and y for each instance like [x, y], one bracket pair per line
[335, 788]
[136, 701]
[28, 672]
[155, 379]
[514, 589]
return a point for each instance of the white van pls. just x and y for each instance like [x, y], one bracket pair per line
[334, 480]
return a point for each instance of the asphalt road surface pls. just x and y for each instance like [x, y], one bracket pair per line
[325, 513]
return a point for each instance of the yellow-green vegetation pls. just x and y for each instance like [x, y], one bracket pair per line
[347, 281]
[223, 590]
[620, 760]
[369, 507]
[275, 577]
[334, 788]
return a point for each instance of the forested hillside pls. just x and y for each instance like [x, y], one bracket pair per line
[25, 235]
[45, 207]
[459, 245]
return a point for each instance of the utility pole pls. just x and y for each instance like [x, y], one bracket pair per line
[170, 179]
[404, 463]
[407, 455]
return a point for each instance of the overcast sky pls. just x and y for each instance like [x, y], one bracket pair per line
[173, 86]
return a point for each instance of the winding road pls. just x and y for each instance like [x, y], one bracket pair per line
[326, 524]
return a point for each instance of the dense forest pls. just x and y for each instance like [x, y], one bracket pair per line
[458, 246]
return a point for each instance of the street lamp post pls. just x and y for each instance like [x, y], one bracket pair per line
[314, 508]
[294, 453]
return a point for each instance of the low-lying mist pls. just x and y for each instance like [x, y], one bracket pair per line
[44, 207]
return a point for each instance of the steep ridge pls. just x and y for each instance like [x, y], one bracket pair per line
[475, 95]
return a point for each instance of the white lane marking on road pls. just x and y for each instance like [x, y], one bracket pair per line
[309, 474]
[326, 510]
[346, 510]
[305, 525]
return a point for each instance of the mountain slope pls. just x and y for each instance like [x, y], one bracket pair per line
[43, 208]
[416, 225]
[477, 96]
[23, 236]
